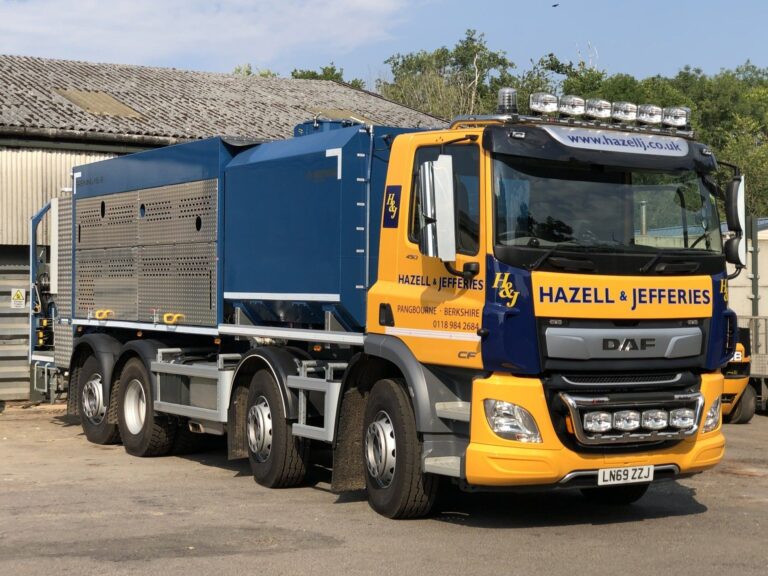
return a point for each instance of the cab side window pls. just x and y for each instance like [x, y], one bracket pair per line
[466, 185]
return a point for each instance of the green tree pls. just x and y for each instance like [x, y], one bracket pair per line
[247, 70]
[448, 82]
[746, 145]
[329, 72]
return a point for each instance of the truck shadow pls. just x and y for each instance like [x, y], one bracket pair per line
[525, 509]
[561, 508]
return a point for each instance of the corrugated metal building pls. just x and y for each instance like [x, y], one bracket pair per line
[55, 114]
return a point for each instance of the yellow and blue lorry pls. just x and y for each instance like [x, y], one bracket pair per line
[513, 301]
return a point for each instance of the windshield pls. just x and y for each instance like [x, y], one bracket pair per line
[541, 204]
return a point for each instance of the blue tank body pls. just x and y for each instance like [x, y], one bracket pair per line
[301, 224]
[297, 223]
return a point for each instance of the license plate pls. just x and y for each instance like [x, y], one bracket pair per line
[628, 475]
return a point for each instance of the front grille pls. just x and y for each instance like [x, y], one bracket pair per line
[621, 379]
[579, 406]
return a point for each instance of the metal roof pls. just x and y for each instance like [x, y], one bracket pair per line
[72, 99]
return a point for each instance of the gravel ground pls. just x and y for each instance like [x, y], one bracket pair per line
[70, 507]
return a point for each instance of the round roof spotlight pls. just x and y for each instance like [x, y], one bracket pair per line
[597, 109]
[543, 103]
[571, 105]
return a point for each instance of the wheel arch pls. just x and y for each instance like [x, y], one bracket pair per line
[105, 348]
[423, 387]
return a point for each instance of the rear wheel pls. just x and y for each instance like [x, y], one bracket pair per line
[144, 433]
[745, 407]
[615, 495]
[278, 459]
[94, 404]
[392, 454]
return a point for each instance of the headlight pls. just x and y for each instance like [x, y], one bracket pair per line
[713, 416]
[597, 421]
[511, 421]
[682, 418]
[626, 420]
[655, 419]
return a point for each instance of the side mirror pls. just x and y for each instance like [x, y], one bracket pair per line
[437, 217]
[735, 212]
[736, 251]
[735, 215]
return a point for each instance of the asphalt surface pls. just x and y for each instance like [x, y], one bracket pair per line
[70, 507]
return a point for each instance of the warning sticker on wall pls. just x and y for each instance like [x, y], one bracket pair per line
[18, 298]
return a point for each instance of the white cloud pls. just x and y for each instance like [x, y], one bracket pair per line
[203, 34]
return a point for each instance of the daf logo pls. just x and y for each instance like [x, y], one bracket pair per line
[628, 344]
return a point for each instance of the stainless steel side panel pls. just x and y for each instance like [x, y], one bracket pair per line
[178, 279]
[141, 255]
[107, 221]
[62, 333]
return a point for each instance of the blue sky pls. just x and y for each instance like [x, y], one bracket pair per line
[642, 38]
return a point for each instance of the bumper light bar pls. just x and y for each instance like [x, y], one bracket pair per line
[604, 420]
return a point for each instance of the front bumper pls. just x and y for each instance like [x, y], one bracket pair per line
[494, 461]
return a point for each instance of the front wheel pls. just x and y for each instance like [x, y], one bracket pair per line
[392, 454]
[615, 495]
[144, 433]
[745, 407]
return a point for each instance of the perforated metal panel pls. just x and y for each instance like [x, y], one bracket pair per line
[107, 280]
[178, 279]
[183, 213]
[107, 221]
[62, 333]
[149, 253]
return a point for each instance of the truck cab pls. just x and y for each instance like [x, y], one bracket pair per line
[574, 294]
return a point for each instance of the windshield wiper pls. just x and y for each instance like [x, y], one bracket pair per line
[663, 253]
[544, 257]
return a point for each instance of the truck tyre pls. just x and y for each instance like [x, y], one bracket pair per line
[144, 433]
[745, 407]
[396, 486]
[615, 495]
[278, 459]
[94, 404]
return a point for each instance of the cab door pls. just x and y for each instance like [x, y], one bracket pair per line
[436, 313]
